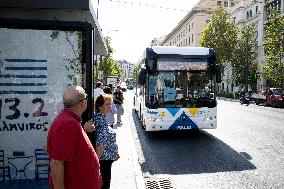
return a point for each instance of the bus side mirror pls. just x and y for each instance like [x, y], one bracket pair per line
[142, 76]
[218, 74]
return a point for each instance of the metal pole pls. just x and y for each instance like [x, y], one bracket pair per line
[98, 10]
[246, 72]
[96, 62]
[96, 65]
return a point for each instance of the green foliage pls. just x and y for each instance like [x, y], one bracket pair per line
[74, 66]
[245, 51]
[117, 70]
[273, 69]
[225, 94]
[221, 35]
[136, 70]
[107, 64]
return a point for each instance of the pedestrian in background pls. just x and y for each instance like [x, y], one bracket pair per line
[110, 117]
[74, 163]
[106, 145]
[118, 101]
[98, 90]
[111, 87]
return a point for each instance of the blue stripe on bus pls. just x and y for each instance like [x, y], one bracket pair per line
[23, 84]
[22, 76]
[25, 68]
[24, 60]
[173, 111]
[23, 92]
[183, 121]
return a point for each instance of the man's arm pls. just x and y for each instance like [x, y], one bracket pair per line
[57, 173]
[89, 126]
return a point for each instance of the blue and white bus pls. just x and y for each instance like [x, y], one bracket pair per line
[176, 88]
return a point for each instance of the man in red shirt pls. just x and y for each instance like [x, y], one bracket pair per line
[74, 163]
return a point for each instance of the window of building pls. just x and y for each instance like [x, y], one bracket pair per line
[189, 40]
[275, 5]
[250, 13]
[247, 15]
[225, 3]
[192, 38]
[189, 28]
[219, 3]
[207, 21]
[232, 4]
[256, 9]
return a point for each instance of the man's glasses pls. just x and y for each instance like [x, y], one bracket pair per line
[86, 98]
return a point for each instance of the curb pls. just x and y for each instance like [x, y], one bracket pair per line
[140, 184]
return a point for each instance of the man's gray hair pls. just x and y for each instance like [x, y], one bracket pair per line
[72, 96]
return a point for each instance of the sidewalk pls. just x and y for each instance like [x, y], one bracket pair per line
[126, 172]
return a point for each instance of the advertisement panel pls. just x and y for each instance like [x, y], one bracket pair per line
[36, 66]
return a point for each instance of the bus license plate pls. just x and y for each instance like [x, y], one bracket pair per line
[184, 127]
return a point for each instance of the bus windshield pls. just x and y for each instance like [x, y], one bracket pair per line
[180, 89]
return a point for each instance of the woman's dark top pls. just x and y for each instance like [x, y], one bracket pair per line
[118, 97]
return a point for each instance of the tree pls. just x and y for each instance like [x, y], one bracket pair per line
[107, 64]
[244, 65]
[136, 70]
[273, 69]
[221, 35]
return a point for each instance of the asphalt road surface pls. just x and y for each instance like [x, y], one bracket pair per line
[245, 151]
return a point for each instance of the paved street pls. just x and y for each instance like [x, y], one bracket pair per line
[245, 151]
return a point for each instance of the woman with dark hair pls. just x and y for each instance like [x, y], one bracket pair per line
[106, 145]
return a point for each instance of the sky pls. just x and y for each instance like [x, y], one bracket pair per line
[132, 24]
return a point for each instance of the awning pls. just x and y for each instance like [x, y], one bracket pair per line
[65, 10]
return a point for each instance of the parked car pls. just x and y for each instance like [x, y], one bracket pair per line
[130, 84]
[259, 97]
[130, 87]
[272, 96]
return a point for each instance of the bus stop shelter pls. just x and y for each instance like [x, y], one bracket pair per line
[45, 46]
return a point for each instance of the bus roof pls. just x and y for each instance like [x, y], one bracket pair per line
[180, 50]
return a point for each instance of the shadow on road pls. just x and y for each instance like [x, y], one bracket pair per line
[168, 152]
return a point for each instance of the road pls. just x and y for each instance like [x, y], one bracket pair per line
[245, 151]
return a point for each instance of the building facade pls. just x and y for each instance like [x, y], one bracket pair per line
[127, 69]
[189, 30]
[253, 12]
